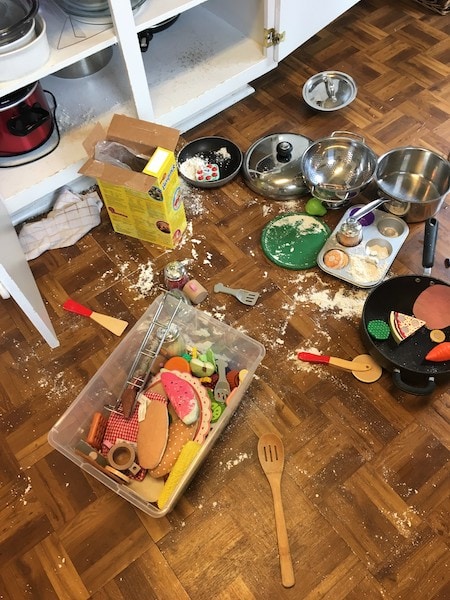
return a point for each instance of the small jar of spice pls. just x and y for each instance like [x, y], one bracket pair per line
[350, 233]
[173, 342]
[175, 275]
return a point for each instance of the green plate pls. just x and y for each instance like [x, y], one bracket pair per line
[294, 240]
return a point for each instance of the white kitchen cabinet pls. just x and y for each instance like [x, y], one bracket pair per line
[200, 65]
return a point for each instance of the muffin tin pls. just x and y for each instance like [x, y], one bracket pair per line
[366, 264]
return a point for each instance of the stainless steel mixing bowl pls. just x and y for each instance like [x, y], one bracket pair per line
[338, 168]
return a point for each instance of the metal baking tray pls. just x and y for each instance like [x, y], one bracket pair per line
[383, 235]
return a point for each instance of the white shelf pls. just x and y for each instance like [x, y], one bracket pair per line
[199, 59]
[202, 57]
[71, 40]
[81, 103]
[200, 65]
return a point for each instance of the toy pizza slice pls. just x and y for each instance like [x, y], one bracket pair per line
[403, 326]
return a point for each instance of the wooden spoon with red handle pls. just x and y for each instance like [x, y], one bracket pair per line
[116, 326]
[347, 365]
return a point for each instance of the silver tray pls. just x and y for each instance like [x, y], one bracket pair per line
[369, 261]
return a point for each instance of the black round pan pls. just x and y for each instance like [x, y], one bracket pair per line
[411, 372]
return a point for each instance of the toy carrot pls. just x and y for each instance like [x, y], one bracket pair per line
[439, 353]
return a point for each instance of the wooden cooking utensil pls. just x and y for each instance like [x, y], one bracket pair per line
[271, 457]
[347, 365]
[116, 326]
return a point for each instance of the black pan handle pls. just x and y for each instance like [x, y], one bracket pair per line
[412, 389]
[429, 244]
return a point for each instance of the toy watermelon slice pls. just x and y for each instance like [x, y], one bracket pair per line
[182, 397]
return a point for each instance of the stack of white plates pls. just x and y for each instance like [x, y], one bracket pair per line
[92, 11]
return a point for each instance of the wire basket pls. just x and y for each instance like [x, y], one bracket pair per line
[440, 6]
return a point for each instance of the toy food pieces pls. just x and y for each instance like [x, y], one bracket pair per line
[403, 326]
[208, 172]
[182, 397]
[439, 353]
[179, 435]
[153, 426]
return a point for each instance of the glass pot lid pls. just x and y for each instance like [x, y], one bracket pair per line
[272, 168]
[16, 18]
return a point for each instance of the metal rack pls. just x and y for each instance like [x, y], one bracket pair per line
[149, 349]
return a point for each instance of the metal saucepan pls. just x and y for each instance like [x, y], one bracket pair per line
[338, 168]
[413, 182]
[410, 372]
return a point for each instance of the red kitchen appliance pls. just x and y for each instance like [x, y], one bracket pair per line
[26, 120]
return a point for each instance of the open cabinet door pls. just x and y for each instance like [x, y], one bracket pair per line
[301, 19]
[18, 281]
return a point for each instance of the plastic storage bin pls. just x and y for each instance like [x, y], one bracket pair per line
[199, 330]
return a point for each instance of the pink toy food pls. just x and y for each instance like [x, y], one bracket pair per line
[182, 397]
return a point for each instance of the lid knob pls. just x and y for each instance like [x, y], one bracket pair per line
[284, 151]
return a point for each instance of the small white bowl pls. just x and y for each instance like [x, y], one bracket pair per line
[23, 61]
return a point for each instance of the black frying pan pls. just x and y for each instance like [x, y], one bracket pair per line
[410, 371]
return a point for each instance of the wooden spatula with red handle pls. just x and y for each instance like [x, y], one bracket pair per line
[340, 363]
[116, 326]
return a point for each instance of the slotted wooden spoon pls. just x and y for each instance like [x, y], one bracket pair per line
[271, 457]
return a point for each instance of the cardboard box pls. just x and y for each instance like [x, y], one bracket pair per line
[145, 205]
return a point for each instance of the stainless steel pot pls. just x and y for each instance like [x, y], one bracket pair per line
[87, 66]
[338, 168]
[413, 182]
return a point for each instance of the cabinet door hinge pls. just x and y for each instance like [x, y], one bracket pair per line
[273, 37]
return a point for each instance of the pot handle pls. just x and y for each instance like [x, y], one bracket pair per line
[349, 134]
[429, 244]
[28, 119]
[364, 210]
[412, 389]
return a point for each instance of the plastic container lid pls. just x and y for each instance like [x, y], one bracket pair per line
[272, 167]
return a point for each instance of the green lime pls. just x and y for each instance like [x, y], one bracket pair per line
[217, 409]
[315, 207]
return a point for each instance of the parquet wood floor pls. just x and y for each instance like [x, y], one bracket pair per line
[366, 484]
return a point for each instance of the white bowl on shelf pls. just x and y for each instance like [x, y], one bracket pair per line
[28, 58]
[25, 39]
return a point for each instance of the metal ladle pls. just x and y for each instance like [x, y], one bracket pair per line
[350, 232]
